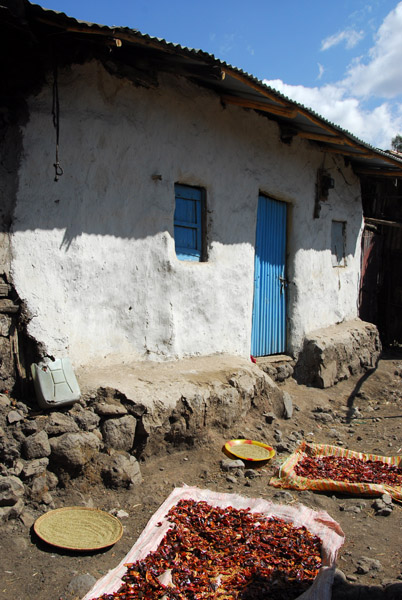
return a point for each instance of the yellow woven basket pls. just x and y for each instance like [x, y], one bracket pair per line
[79, 528]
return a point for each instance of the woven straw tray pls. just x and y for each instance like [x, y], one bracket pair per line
[78, 528]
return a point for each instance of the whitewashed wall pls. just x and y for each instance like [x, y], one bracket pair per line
[93, 254]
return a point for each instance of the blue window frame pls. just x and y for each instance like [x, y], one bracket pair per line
[188, 222]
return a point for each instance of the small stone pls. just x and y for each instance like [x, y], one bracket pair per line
[351, 578]
[38, 488]
[120, 471]
[250, 473]
[231, 479]
[51, 480]
[59, 423]
[287, 405]
[36, 445]
[352, 509]
[119, 433]
[122, 514]
[382, 508]
[386, 498]
[269, 417]
[11, 512]
[283, 496]
[80, 585]
[333, 433]
[366, 565]
[47, 498]
[385, 512]
[339, 577]
[34, 468]
[106, 409]
[30, 427]
[4, 400]
[17, 468]
[284, 447]
[227, 464]
[27, 519]
[11, 490]
[14, 416]
[87, 420]
[74, 450]
[323, 417]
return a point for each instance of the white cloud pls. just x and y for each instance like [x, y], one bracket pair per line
[320, 71]
[227, 43]
[379, 75]
[351, 38]
[376, 127]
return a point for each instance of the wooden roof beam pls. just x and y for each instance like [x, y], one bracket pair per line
[281, 111]
[261, 89]
[383, 222]
[321, 137]
[345, 152]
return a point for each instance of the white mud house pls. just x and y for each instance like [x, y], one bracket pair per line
[160, 204]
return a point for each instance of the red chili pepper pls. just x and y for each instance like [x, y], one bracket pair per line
[353, 470]
[224, 554]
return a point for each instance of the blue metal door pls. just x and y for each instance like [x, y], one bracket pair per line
[268, 335]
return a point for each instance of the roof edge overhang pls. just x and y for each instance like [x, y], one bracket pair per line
[233, 86]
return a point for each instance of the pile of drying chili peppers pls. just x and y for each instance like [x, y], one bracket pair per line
[224, 554]
[353, 470]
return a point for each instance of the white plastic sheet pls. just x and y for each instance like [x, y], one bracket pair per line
[318, 523]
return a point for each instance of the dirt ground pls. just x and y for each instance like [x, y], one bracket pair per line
[31, 569]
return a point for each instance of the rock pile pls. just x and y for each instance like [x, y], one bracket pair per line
[101, 437]
[39, 452]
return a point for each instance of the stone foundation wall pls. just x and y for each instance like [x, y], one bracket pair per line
[8, 337]
[100, 437]
[335, 353]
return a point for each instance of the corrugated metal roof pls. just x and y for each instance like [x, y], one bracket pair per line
[243, 89]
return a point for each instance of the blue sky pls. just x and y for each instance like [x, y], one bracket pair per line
[342, 58]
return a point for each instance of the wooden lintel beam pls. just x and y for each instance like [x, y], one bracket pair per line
[281, 111]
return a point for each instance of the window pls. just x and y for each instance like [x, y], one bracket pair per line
[338, 238]
[189, 222]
